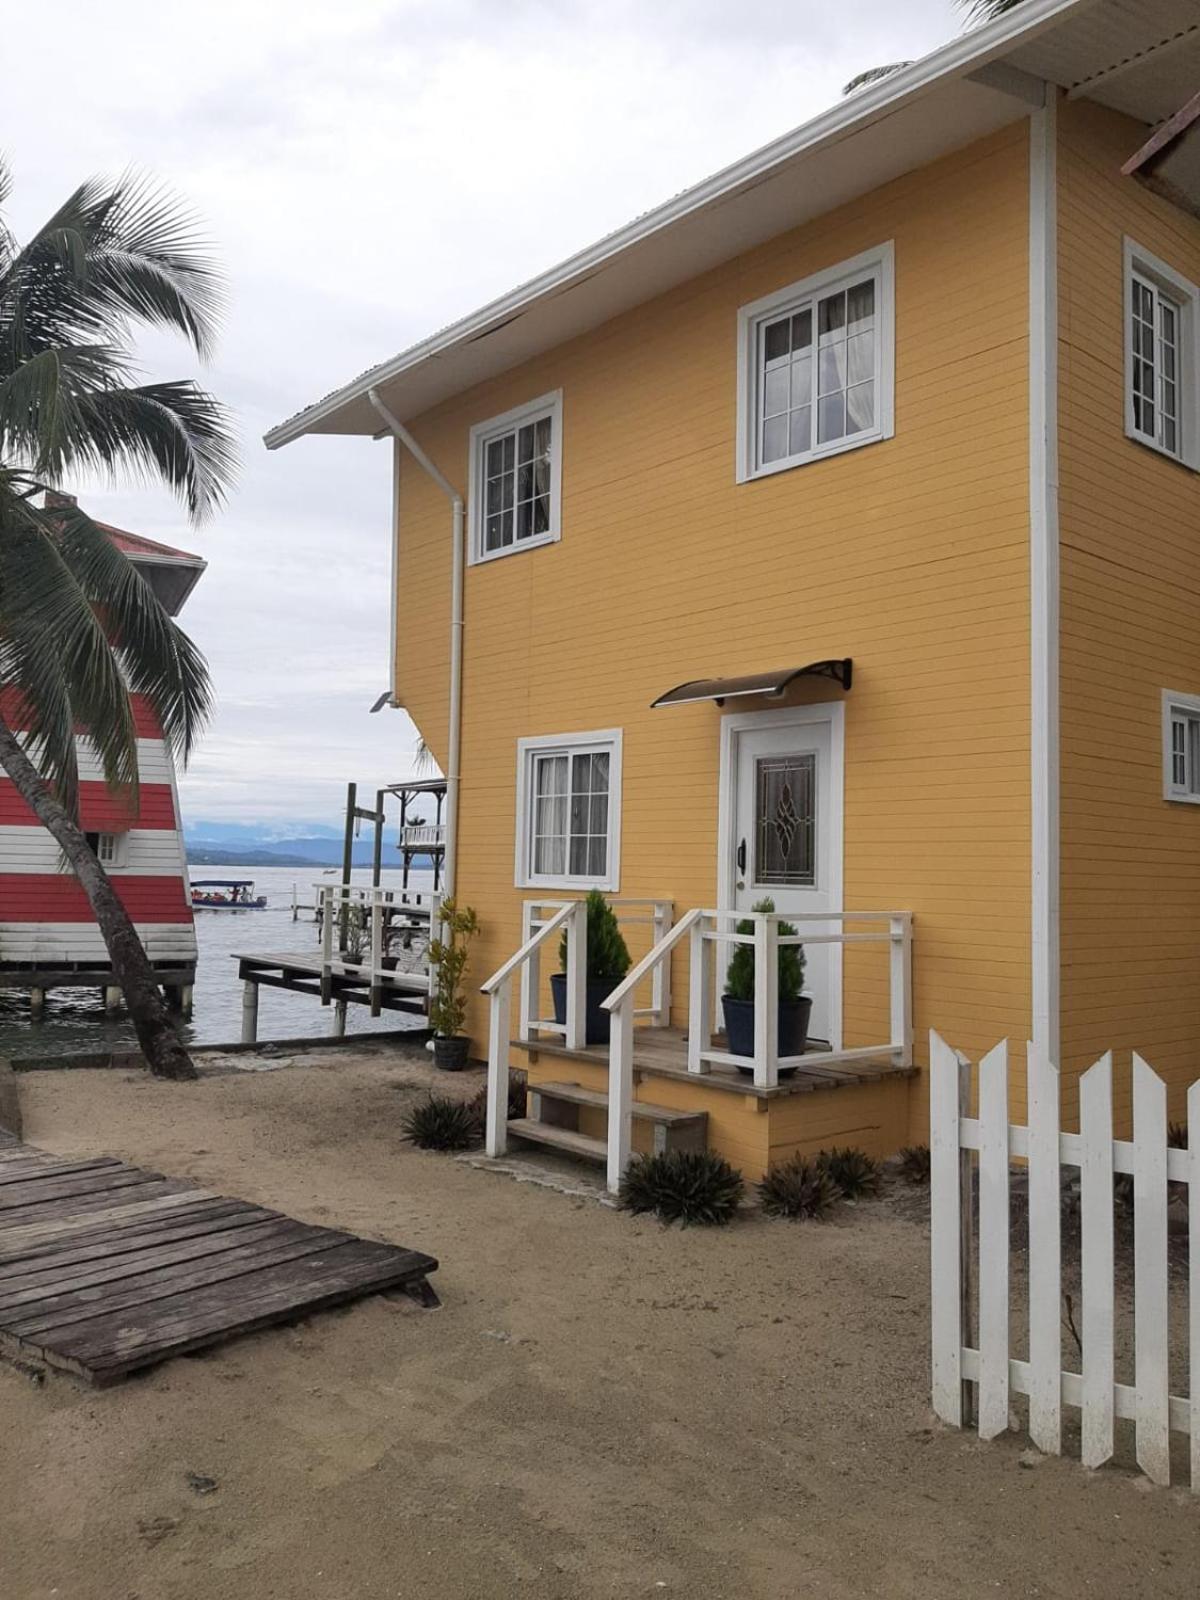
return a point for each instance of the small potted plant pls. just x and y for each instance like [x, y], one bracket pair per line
[607, 964]
[447, 998]
[737, 1002]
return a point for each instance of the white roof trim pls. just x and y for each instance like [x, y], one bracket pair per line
[960, 56]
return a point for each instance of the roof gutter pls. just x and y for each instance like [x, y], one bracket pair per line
[970, 50]
[457, 563]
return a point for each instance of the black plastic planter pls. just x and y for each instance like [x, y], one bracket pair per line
[739, 1027]
[450, 1054]
[598, 1022]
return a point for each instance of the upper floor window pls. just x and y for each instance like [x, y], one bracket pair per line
[106, 847]
[1181, 746]
[1162, 358]
[515, 479]
[816, 366]
[569, 811]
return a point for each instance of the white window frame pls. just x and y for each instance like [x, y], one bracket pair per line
[879, 263]
[114, 854]
[607, 740]
[546, 405]
[1166, 283]
[1176, 706]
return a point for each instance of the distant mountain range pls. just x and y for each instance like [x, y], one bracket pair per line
[298, 844]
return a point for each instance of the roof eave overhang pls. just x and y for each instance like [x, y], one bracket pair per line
[951, 64]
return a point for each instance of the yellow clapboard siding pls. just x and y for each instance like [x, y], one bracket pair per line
[1130, 628]
[911, 555]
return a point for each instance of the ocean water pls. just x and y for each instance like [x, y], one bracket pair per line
[74, 1018]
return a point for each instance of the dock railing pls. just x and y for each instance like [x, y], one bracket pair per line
[384, 918]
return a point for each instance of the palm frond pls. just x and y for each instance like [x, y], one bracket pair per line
[987, 10]
[40, 418]
[874, 75]
[54, 650]
[112, 253]
[158, 659]
[174, 432]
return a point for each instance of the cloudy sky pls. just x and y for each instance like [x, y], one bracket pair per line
[369, 171]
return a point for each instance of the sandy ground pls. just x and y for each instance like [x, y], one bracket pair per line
[602, 1407]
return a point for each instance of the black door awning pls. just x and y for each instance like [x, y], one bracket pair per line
[772, 683]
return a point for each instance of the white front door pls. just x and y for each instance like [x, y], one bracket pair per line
[784, 835]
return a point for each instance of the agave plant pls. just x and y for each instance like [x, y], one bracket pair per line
[80, 628]
[798, 1187]
[854, 1171]
[683, 1186]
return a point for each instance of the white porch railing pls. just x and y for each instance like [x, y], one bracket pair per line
[385, 917]
[541, 921]
[706, 931]
[570, 918]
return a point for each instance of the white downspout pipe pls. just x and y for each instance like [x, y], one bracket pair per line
[458, 562]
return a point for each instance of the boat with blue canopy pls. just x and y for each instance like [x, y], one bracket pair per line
[226, 894]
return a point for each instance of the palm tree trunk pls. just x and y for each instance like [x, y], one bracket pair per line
[160, 1042]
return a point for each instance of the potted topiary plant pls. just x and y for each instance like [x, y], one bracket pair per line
[738, 1000]
[447, 996]
[607, 964]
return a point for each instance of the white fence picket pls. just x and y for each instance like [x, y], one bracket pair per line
[1150, 1271]
[944, 1226]
[1193, 1168]
[954, 1133]
[1096, 1226]
[993, 1242]
[1045, 1255]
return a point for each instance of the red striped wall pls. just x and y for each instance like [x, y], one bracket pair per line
[42, 897]
[100, 810]
[14, 712]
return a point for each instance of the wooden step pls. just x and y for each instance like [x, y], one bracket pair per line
[575, 1094]
[564, 1139]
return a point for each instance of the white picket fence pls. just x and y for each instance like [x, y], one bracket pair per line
[979, 1379]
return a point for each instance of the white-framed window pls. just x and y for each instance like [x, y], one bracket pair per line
[1181, 746]
[107, 847]
[1162, 357]
[816, 366]
[515, 479]
[569, 811]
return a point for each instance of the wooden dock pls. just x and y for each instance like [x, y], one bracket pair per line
[343, 986]
[105, 1268]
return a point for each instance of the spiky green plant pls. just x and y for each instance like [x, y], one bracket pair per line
[607, 953]
[1177, 1135]
[683, 1186]
[80, 628]
[739, 975]
[798, 1187]
[854, 1171]
[439, 1123]
[913, 1163]
[518, 1099]
[448, 956]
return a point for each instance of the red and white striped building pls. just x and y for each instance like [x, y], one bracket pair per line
[48, 936]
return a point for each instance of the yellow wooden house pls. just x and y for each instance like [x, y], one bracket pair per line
[831, 535]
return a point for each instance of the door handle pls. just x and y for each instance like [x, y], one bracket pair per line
[741, 856]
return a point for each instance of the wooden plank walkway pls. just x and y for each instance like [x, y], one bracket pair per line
[105, 1268]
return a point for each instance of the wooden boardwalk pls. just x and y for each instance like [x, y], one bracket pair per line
[105, 1268]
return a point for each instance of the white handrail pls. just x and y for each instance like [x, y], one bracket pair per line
[650, 960]
[527, 949]
[571, 917]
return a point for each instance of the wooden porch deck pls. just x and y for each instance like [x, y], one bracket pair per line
[105, 1268]
[662, 1053]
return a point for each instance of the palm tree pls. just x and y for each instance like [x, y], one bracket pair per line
[80, 629]
[977, 11]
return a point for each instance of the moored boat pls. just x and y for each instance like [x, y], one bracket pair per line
[226, 894]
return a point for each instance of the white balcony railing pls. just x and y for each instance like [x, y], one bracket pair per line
[423, 836]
